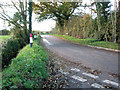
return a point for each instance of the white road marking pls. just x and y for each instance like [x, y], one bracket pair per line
[45, 40]
[90, 75]
[78, 78]
[95, 85]
[111, 82]
[61, 71]
[75, 69]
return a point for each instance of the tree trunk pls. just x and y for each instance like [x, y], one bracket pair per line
[113, 26]
[98, 22]
[106, 32]
[118, 22]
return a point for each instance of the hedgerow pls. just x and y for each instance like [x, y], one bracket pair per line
[10, 49]
[27, 70]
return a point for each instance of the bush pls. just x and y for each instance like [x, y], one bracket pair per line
[4, 32]
[21, 42]
[9, 50]
[28, 69]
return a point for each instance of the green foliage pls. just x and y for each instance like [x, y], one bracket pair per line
[59, 11]
[28, 69]
[104, 10]
[4, 37]
[105, 44]
[103, 15]
[92, 42]
[118, 22]
[9, 50]
[4, 32]
[80, 27]
[20, 30]
[85, 26]
[75, 40]
[19, 20]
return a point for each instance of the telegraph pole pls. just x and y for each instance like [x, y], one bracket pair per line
[30, 16]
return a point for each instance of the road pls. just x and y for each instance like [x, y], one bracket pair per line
[96, 59]
[84, 67]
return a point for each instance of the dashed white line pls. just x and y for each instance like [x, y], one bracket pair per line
[45, 40]
[61, 71]
[111, 82]
[95, 85]
[78, 78]
[75, 69]
[90, 75]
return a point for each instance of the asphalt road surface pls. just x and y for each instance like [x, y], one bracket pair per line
[96, 59]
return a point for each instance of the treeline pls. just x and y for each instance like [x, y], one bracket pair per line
[118, 22]
[4, 32]
[86, 27]
[103, 27]
[19, 29]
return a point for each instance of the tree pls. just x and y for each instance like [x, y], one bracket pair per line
[103, 13]
[18, 21]
[4, 32]
[59, 11]
[118, 22]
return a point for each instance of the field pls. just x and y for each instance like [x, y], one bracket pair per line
[4, 37]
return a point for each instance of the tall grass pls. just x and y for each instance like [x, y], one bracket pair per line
[4, 37]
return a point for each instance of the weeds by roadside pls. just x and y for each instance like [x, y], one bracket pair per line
[56, 79]
[27, 70]
[92, 42]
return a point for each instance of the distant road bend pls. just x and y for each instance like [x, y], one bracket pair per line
[96, 59]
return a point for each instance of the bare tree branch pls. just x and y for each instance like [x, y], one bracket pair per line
[15, 6]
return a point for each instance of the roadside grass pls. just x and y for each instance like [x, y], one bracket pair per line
[0, 80]
[28, 69]
[106, 44]
[92, 42]
[76, 40]
[4, 37]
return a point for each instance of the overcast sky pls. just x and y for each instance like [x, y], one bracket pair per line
[45, 25]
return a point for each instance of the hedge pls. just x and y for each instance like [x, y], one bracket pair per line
[10, 49]
[28, 69]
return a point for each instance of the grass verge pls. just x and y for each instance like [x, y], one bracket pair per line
[104, 44]
[28, 69]
[4, 37]
[92, 42]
